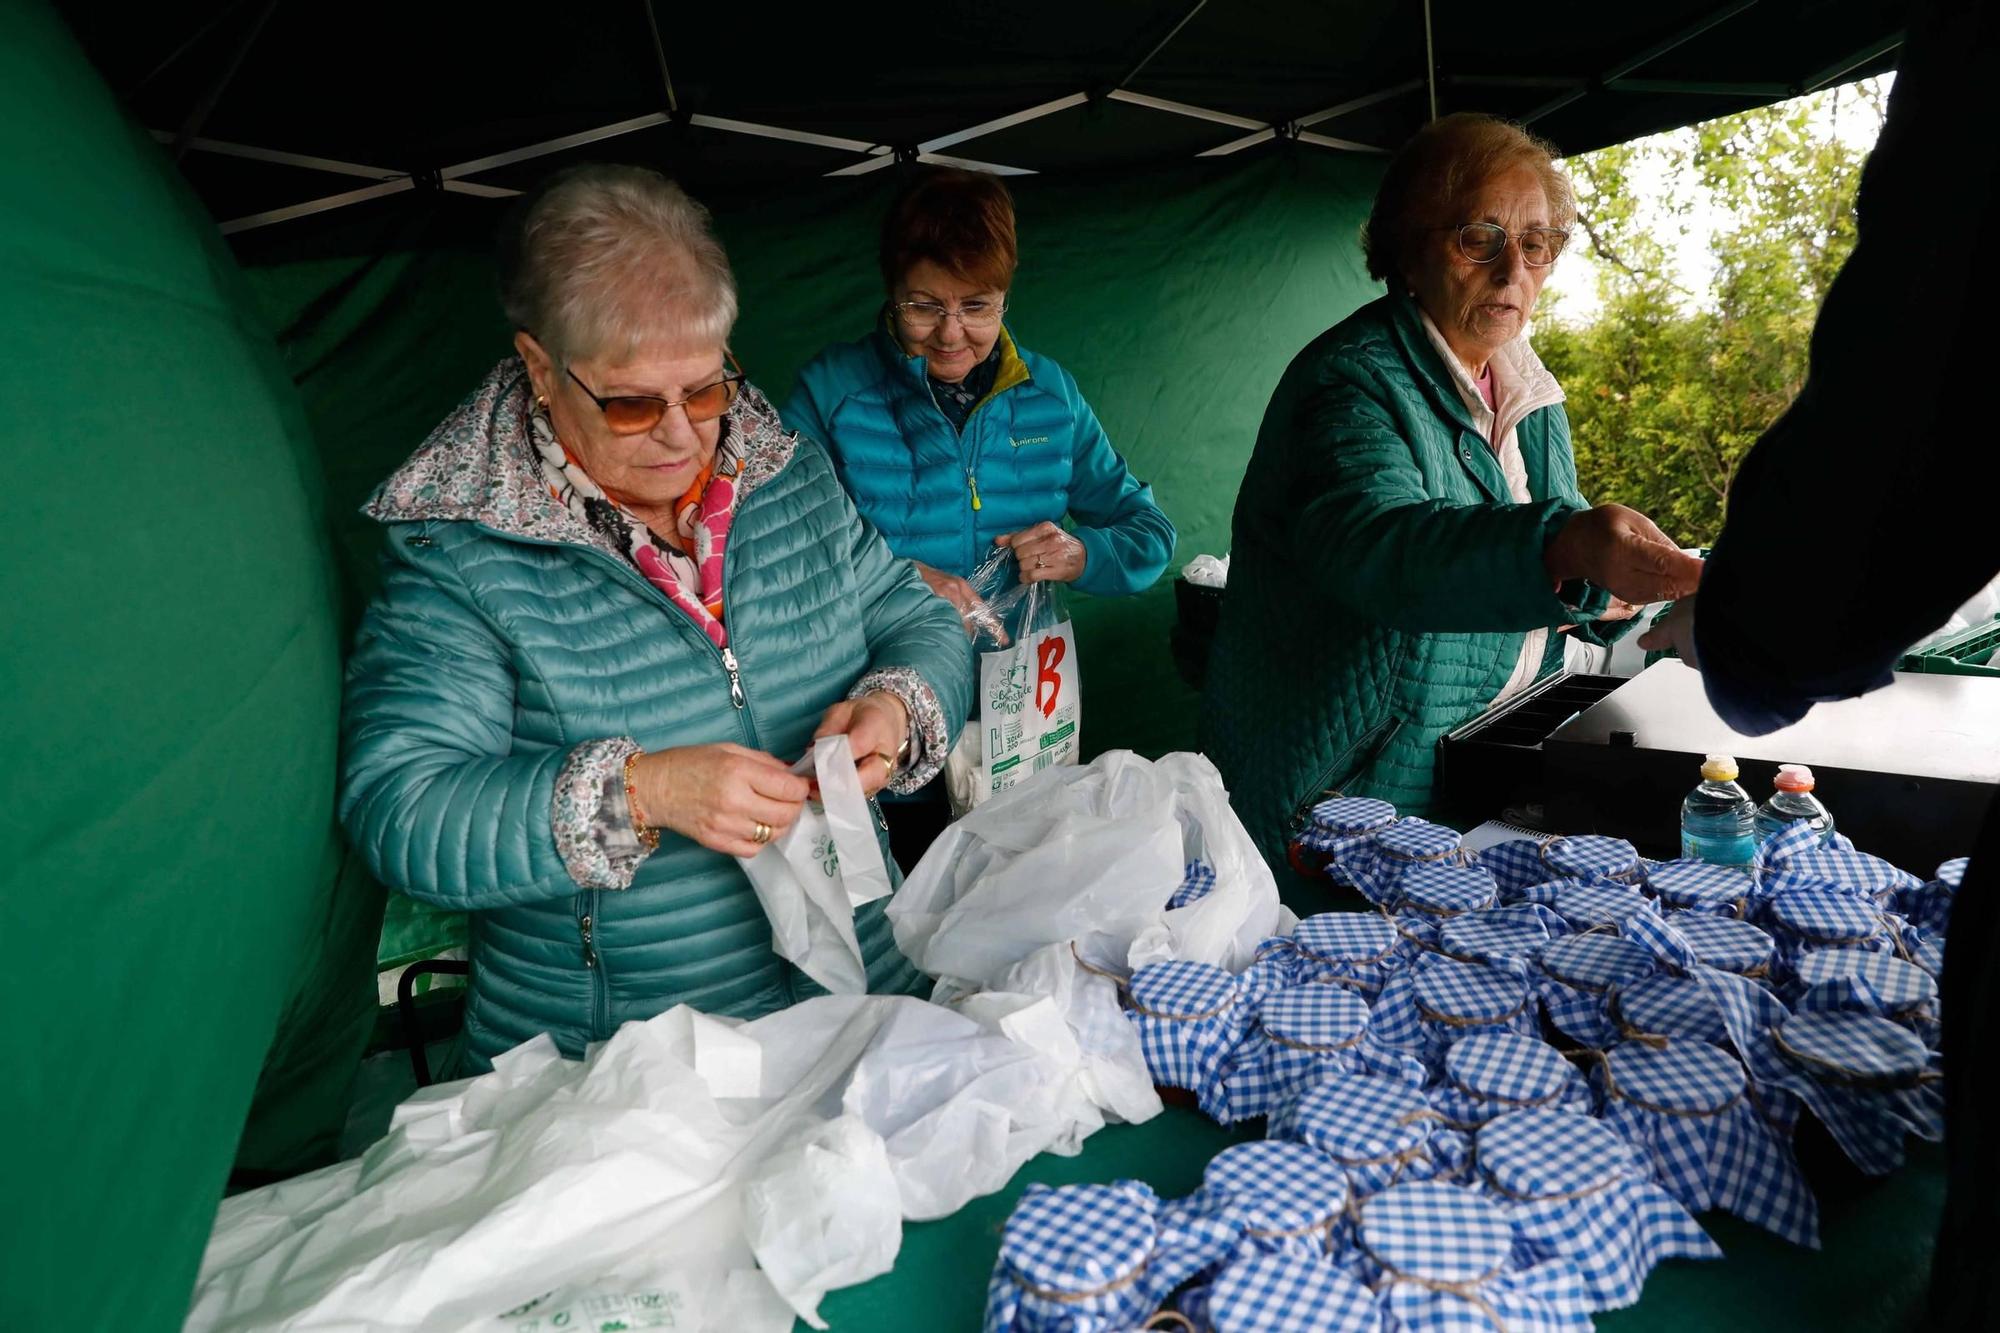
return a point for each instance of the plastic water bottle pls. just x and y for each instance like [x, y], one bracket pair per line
[1792, 801]
[1718, 818]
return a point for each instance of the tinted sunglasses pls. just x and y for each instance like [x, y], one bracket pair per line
[635, 414]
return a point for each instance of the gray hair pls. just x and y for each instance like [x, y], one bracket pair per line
[601, 259]
[1431, 175]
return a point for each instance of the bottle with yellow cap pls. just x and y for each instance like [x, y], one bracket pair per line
[1718, 818]
[1792, 801]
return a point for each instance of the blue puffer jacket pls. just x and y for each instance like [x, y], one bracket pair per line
[1031, 451]
[505, 644]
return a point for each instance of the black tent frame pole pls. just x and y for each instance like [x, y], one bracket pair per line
[191, 127]
[1840, 69]
[660, 54]
[1430, 61]
[1645, 57]
[1161, 45]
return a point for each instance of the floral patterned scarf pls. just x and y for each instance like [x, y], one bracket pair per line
[688, 566]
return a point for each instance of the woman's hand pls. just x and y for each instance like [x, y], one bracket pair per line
[1623, 552]
[1674, 632]
[876, 725]
[1046, 554]
[976, 614]
[717, 795]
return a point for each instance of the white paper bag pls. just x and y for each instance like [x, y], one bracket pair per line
[812, 876]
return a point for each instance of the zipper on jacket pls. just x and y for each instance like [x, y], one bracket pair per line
[973, 482]
[730, 664]
[589, 943]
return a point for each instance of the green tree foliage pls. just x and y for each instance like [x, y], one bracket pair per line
[1669, 387]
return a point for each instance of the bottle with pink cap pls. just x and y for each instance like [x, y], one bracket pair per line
[1792, 801]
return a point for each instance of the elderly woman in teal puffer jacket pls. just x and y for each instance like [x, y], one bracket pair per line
[619, 598]
[1409, 545]
[955, 440]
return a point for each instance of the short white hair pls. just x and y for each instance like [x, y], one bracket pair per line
[603, 259]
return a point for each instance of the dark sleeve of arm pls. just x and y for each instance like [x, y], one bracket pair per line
[1866, 515]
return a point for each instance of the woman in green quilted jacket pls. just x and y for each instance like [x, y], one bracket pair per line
[619, 599]
[1409, 545]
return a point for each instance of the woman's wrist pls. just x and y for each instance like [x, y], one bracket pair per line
[644, 828]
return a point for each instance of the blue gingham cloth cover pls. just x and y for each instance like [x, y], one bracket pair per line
[1285, 1293]
[1576, 1191]
[1437, 1001]
[1500, 934]
[1697, 886]
[1284, 1196]
[1575, 977]
[1350, 949]
[1335, 825]
[1869, 983]
[1497, 1073]
[1870, 1081]
[1190, 1017]
[1727, 944]
[1430, 897]
[1097, 1258]
[1864, 876]
[1302, 1034]
[1443, 1258]
[1689, 1108]
[1668, 1007]
[1804, 919]
[1196, 883]
[1376, 1130]
[1593, 858]
[1928, 906]
[1376, 864]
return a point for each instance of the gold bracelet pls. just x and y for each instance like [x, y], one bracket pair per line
[649, 837]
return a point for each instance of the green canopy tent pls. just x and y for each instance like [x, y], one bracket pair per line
[1190, 179]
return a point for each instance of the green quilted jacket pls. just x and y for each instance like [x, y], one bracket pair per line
[1381, 577]
[508, 657]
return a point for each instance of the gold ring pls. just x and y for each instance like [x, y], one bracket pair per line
[888, 760]
[762, 835]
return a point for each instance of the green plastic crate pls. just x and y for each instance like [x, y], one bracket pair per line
[1970, 652]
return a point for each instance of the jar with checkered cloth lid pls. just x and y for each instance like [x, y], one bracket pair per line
[1287, 1293]
[1870, 983]
[1498, 934]
[1438, 1001]
[1870, 1081]
[1190, 1017]
[1596, 906]
[1574, 1190]
[1592, 858]
[1096, 1258]
[1667, 1007]
[1350, 949]
[1376, 1130]
[1927, 905]
[1575, 976]
[1697, 886]
[1804, 920]
[1494, 1073]
[1197, 882]
[1728, 945]
[1857, 873]
[1332, 827]
[1302, 1034]
[1375, 865]
[1690, 1109]
[1443, 1257]
[1286, 1196]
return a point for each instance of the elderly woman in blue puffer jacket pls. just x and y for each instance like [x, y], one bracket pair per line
[955, 440]
[619, 597]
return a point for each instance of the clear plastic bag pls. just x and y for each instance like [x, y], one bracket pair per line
[1026, 713]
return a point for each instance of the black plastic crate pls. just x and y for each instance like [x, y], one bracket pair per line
[1494, 764]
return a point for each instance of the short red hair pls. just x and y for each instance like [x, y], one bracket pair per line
[962, 221]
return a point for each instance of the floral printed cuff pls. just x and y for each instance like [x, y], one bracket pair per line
[593, 820]
[929, 739]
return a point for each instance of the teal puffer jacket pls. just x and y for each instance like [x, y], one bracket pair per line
[1381, 577]
[1032, 451]
[503, 641]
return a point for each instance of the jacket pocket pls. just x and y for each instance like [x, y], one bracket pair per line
[1348, 765]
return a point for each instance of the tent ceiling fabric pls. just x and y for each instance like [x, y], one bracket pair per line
[412, 93]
